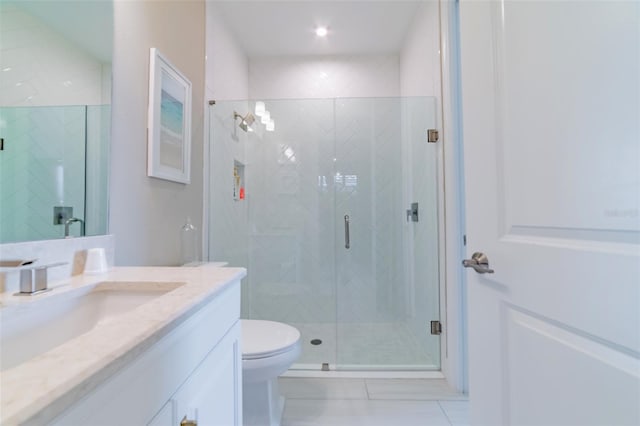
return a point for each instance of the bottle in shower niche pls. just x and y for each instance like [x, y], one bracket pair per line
[189, 243]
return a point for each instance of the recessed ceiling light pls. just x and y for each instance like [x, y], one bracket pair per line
[321, 31]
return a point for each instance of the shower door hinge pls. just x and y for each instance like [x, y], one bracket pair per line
[436, 328]
[432, 136]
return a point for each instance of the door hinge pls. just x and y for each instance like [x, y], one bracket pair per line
[436, 328]
[432, 136]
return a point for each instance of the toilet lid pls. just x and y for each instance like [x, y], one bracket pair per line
[261, 338]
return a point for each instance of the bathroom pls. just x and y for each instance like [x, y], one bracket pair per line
[145, 215]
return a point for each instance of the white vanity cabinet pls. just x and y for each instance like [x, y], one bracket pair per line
[195, 371]
[204, 398]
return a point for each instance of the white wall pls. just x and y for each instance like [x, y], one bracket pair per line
[227, 67]
[146, 214]
[419, 57]
[324, 77]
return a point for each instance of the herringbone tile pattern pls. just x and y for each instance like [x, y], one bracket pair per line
[42, 166]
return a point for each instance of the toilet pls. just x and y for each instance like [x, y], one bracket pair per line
[268, 349]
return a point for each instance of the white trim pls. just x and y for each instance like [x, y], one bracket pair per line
[453, 350]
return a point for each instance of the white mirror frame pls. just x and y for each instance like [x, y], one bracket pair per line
[169, 131]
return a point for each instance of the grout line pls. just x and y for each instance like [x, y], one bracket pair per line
[366, 387]
[445, 413]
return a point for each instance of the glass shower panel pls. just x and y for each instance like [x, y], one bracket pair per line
[386, 285]
[423, 283]
[42, 166]
[291, 223]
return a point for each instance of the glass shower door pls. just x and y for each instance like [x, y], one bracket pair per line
[291, 271]
[386, 264]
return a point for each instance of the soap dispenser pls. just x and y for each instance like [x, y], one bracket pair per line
[189, 242]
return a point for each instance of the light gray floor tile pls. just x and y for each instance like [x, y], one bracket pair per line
[302, 412]
[456, 411]
[411, 389]
[306, 388]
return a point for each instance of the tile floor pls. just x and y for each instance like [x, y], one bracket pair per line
[350, 344]
[372, 402]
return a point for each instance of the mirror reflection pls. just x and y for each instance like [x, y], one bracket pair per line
[55, 95]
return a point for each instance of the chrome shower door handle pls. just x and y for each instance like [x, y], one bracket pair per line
[346, 231]
[479, 262]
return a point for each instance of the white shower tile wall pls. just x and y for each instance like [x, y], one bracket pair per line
[227, 233]
[291, 216]
[368, 160]
[304, 178]
[322, 77]
[44, 167]
[70, 77]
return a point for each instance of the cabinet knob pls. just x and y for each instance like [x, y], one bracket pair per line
[187, 422]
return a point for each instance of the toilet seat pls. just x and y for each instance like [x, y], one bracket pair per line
[264, 339]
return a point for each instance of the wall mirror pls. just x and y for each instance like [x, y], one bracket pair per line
[55, 117]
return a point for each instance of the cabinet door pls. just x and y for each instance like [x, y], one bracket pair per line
[212, 394]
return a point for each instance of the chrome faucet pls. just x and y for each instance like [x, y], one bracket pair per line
[68, 222]
[33, 280]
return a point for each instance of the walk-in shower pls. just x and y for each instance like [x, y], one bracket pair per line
[337, 225]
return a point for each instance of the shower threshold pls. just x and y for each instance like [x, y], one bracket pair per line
[302, 370]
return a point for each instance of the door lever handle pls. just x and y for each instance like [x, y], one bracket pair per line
[479, 262]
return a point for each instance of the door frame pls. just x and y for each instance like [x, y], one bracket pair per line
[453, 294]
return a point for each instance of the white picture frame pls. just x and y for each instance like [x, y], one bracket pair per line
[169, 121]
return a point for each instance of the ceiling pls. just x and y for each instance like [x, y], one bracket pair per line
[286, 28]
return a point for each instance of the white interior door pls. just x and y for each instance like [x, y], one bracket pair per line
[551, 119]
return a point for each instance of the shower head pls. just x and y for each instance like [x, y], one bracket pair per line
[245, 121]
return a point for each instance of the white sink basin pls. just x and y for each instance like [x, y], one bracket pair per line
[30, 329]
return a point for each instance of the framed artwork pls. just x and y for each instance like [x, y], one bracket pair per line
[169, 131]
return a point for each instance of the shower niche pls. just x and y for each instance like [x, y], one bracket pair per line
[238, 180]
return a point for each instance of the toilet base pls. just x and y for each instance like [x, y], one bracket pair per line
[262, 404]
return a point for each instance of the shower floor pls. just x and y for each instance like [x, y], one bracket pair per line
[366, 346]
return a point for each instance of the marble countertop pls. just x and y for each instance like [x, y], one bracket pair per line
[44, 386]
